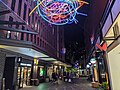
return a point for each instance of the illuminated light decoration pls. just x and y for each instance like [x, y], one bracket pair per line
[59, 12]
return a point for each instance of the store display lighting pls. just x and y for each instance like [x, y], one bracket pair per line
[88, 66]
[41, 72]
[93, 60]
[59, 12]
[24, 64]
[90, 63]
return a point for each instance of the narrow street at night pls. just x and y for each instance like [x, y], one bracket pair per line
[59, 44]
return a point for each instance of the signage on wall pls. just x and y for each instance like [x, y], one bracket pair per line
[36, 61]
[63, 50]
[19, 59]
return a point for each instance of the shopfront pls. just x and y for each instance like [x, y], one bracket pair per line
[24, 74]
[113, 59]
[41, 73]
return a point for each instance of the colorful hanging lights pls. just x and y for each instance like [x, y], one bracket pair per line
[59, 12]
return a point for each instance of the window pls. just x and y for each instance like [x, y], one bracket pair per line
[116, 30]
[17, 26]
[8, 34]
[38, 25]
[11, 20]
[53, 30]
[33, 20]
[40, 42]
[27, 36]
[28, 17]
[13, 4]
[43, 44]
[31, 37]
[19, 7]
[24, 16]
[22, 34]
[16, 35]
[35, 39]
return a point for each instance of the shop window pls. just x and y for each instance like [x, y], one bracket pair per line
[41, 71]
[13, 4]
[19, 7]
[24, 16]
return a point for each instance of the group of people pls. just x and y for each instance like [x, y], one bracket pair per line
[66, 77]
[55, 77]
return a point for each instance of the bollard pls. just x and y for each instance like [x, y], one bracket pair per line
[3, 84]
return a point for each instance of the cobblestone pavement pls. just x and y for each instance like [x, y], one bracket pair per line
[78, 84]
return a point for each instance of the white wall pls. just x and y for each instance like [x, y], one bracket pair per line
[114, 67]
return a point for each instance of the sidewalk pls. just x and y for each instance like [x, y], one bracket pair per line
[80, 84]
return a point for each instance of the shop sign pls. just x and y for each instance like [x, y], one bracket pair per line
[36, 61]
[24, 64]
[102, 47]
[19, 59]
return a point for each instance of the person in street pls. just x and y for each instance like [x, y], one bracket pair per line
[53, 76]
[71, 77]
[64, 76]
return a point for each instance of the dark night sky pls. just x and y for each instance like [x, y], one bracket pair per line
[75, 33]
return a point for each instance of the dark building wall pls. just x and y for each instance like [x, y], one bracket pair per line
[2, 63]
[92, 22]
[9, 72]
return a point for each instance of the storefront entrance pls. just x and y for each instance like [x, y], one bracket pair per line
[23, 76]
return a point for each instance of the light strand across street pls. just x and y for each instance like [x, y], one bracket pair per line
[59, 12]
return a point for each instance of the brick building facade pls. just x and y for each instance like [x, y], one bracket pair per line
[29, 37]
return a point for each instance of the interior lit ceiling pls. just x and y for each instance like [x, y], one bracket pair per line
[26, 51]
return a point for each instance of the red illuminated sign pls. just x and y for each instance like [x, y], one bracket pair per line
[102, 47]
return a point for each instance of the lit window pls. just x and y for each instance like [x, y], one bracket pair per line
[8, 34]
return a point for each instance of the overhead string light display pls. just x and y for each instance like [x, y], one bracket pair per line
[59, 12]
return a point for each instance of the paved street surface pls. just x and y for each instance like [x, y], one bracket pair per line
[78, 84]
